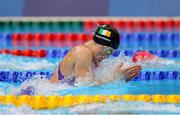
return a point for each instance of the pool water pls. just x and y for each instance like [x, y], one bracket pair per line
[41, 34]
[108, 108]
[43, 87]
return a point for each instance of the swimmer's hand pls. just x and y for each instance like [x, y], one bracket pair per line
[131, 72]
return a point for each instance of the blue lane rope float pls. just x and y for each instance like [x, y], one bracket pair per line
[5, 40]
[158, 75]
[160, 53]
[16, 76]
[129, 40]
[150, 40]
[60, 53]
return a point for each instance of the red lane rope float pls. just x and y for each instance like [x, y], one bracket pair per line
[60, 40]
[136, 25]
[6, 51]
[129, 25]
[139, 24]
[170, 23]
[59, 53]
[72, 39]
[119, 24]
[177, 23]
[40, 53]
[29, 53]
[160, 24]
[17, 52]
[39, 39]
[28, 39]
[16, 38]
[49, 39]
[149, 24]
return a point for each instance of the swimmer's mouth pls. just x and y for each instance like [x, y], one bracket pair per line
[101, 58]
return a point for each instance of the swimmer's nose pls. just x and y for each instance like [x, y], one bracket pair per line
[102, 57]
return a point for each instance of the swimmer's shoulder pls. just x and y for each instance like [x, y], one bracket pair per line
[81, 52]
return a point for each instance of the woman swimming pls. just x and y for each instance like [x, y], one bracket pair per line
[79, 64]
[81, 60]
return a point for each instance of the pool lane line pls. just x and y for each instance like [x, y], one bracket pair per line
[55, 101]
[60, 53]
[21, 76]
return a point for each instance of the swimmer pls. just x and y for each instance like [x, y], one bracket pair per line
[146, 57]
[81, 60]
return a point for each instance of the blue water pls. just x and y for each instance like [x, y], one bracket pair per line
[117, 87]
[43, 87]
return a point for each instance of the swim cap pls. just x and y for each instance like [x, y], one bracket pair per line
[107, 35]
[142, 56]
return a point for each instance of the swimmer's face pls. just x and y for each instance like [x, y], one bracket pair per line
[102, 52]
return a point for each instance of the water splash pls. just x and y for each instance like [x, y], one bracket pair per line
[41, 86]
[9, 62]
[108, 65]
[44, 87]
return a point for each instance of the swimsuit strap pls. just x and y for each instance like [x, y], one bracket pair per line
[60, 76]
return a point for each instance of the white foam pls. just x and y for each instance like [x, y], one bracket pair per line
[12, 110]
[44, 87]
[41, 85]
[118, 107]
[9, 62]
[1, 92]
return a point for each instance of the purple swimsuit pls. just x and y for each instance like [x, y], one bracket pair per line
[69, 80]
[30, 90]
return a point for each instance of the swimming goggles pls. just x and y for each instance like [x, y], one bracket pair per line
[108, 50]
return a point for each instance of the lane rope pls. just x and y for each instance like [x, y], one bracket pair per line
[54, 101]
[19, 76]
